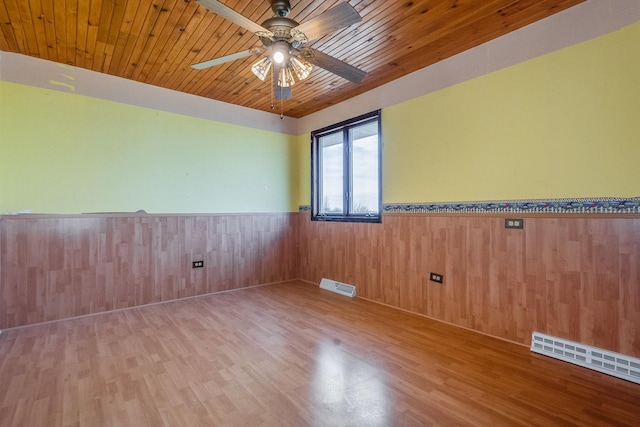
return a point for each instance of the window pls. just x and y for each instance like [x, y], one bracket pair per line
[346, 171]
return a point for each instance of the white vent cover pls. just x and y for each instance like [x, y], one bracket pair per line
[337, 287]
[605, 361]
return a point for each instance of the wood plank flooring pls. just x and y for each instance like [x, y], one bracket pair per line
[289, 355]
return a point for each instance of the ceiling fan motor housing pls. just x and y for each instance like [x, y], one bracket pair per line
[281, 29]
[281, 8]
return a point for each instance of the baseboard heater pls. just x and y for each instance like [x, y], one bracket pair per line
[605, 361]
[337, 287]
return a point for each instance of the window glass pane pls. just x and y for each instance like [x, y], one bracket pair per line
[364, 169]
[332, 187]
[346, 170]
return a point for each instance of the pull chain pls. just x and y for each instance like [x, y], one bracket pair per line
[281, 106]
[272, 94]
[274, 82]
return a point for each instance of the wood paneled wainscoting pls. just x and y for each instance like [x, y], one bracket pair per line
[54, 267]
[572, 276]
[576, 277]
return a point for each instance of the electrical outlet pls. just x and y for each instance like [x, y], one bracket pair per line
[434, 277]
[197, 264]
[514, 223]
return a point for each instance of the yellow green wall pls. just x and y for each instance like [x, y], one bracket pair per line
[566, 124]
[561, 125]
[64, 153]
[304, 169]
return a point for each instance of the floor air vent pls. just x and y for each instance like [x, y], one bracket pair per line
[605, 361]
[337, 287]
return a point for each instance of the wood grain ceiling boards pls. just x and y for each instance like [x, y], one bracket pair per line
[156, 41]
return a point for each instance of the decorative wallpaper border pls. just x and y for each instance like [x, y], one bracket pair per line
[605, 205]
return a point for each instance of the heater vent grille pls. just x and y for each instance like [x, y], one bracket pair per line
[605, 361]
[337, 287]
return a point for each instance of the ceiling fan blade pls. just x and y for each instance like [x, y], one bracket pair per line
[334, 65]
[334, 19]
[227, 58]
[233, 16]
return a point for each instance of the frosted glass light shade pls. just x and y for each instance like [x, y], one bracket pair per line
[280, 53]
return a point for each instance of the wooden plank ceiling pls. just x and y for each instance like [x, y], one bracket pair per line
[156, 41]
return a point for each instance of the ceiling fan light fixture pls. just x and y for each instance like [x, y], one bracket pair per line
[301, 67]
[261, 68]
[285, 77]
[283, 41]
[278, 57]
[280, 53]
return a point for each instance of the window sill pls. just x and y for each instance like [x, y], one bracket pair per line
[376, 219]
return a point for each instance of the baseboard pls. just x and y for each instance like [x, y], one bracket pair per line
[143, 305]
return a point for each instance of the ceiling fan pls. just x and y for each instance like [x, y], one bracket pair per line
[283, 41]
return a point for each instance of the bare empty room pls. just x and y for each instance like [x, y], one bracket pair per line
[319, 213]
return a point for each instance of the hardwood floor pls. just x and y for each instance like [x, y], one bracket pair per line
[289, 355]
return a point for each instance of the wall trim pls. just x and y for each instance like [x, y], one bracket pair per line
[435, 319]
[600, 205]
[116, 310]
